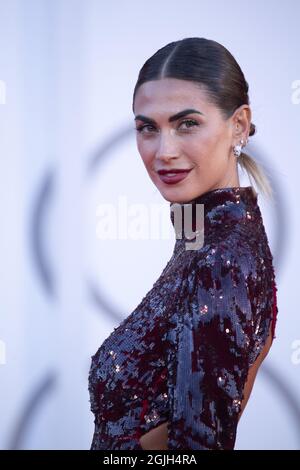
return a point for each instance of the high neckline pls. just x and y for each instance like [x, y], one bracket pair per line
[222, 208]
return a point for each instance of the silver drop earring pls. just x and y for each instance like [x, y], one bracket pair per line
[238, 148]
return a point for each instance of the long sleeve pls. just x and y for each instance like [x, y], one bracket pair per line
[218, 328]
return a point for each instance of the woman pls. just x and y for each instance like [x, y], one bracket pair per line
[178, 371]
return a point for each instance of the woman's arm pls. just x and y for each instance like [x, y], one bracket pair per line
[218, 334]
[157, 438]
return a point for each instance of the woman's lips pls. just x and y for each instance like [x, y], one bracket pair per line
[173, 178]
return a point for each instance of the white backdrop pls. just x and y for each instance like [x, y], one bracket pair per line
[67, 73]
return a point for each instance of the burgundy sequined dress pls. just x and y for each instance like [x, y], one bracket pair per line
[184, 353]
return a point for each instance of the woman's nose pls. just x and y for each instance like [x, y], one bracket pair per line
[167, 146]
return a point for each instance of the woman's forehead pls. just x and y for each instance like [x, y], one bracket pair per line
[170, 96]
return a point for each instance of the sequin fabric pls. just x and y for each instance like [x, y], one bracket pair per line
[183, 355]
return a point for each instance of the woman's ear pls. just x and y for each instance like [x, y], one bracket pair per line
[242, 121]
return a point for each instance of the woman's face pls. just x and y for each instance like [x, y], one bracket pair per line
[200, 141]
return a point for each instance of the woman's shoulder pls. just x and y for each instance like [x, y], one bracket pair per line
[226, 253]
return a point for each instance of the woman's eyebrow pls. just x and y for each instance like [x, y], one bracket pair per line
[171, 118]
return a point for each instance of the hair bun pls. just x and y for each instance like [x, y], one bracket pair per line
[252, 129]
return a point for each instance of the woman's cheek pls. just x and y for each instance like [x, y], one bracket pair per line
[147, 151]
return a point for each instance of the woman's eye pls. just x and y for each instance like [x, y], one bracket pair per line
[186, 121]
[141, 128]
[190, 121]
